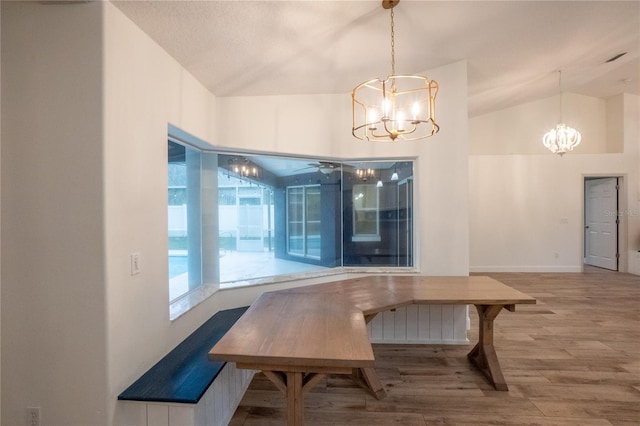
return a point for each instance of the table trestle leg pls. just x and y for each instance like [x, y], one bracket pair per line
[368, 379]
[295, 399]
[294, 385]
[483, 355]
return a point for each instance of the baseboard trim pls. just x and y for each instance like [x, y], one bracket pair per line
[514, 268]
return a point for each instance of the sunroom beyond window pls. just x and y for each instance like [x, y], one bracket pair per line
[242, 219]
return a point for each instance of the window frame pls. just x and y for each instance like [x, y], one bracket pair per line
[207, 288]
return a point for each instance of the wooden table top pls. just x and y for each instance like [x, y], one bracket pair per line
[287, 330]
[322, 326]
[374, 294]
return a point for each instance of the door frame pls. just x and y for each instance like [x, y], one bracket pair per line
[623, 220]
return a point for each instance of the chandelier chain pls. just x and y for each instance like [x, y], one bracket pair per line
[560, 90]
[393, 47]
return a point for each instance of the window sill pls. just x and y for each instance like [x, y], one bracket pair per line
[180, 306]
[282, 278]
[184, 304]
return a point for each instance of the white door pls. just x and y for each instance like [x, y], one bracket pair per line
[601, 222]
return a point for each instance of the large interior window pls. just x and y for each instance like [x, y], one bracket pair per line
[241, 219]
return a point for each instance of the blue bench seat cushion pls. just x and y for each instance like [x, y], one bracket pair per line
[185, 373]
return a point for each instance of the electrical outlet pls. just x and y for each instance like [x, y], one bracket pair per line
[135, 263]
[33, 416]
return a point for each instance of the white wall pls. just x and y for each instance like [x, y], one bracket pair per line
[0, 214]
[53, 276]
[614, 114]
[518, 129]
[86, 101]
[526, 210]
[631, 137]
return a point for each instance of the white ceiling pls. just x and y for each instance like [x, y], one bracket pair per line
[513, 48]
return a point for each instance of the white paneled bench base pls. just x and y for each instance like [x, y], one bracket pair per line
[215, 408]
[185, 388]
[421, 324]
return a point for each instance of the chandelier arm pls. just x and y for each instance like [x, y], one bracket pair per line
[390, 132]
[397, 132]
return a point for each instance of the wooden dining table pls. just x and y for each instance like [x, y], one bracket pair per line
[298, 335]
[295, 339]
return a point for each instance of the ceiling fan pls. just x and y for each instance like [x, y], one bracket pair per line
[325, 167]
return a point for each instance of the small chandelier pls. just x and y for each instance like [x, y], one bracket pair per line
[400, 107]
[365, 174]
[562, 138]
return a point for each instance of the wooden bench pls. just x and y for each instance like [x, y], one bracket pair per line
[180, 384]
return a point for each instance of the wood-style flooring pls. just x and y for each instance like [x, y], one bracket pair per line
[571, 359]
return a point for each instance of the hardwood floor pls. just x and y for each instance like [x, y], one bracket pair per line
[571, 359]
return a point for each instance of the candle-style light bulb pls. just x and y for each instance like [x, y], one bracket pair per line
[400, 121]
[386, 107]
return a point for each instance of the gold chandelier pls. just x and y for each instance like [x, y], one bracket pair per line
[562, 138]
[400, 107]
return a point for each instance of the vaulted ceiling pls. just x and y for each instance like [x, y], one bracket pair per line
[513, 48]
